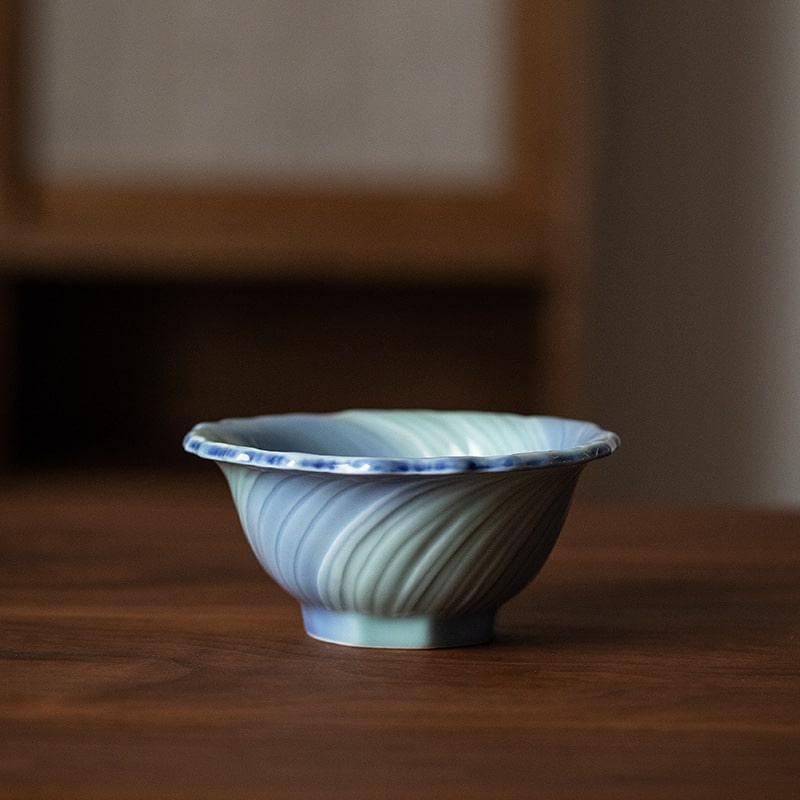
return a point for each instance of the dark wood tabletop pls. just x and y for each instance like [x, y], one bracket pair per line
[145, 654]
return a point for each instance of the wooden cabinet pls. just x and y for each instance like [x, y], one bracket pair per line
[217, 296]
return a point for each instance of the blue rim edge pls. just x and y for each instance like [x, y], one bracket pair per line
[599, 446]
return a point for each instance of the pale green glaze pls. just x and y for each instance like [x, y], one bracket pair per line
[402, 553]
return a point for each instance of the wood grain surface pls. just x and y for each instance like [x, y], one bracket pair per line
[144, 654]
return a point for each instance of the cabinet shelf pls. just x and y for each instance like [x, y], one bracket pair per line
[526, 232]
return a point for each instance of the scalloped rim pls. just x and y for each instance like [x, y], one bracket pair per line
[599, 446]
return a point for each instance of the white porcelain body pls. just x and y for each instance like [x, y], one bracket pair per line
[385, 545]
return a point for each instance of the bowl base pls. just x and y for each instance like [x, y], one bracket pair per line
[411, 633]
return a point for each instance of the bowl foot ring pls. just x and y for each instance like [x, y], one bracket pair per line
[364, 630]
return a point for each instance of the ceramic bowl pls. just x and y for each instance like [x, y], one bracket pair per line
[401, 528]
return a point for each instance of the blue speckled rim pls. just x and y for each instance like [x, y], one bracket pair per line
[600, 445]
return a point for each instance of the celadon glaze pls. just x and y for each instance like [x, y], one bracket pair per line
[401, 528]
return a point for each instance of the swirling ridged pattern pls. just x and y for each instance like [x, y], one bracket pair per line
[402, 545]
[401, 528]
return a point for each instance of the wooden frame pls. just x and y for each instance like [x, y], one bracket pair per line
[534, 228]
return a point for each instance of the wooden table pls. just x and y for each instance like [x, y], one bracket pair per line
[144, 654]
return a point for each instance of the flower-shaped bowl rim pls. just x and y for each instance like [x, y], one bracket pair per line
[602, 443]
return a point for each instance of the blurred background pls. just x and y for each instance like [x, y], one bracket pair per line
[576, 208]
